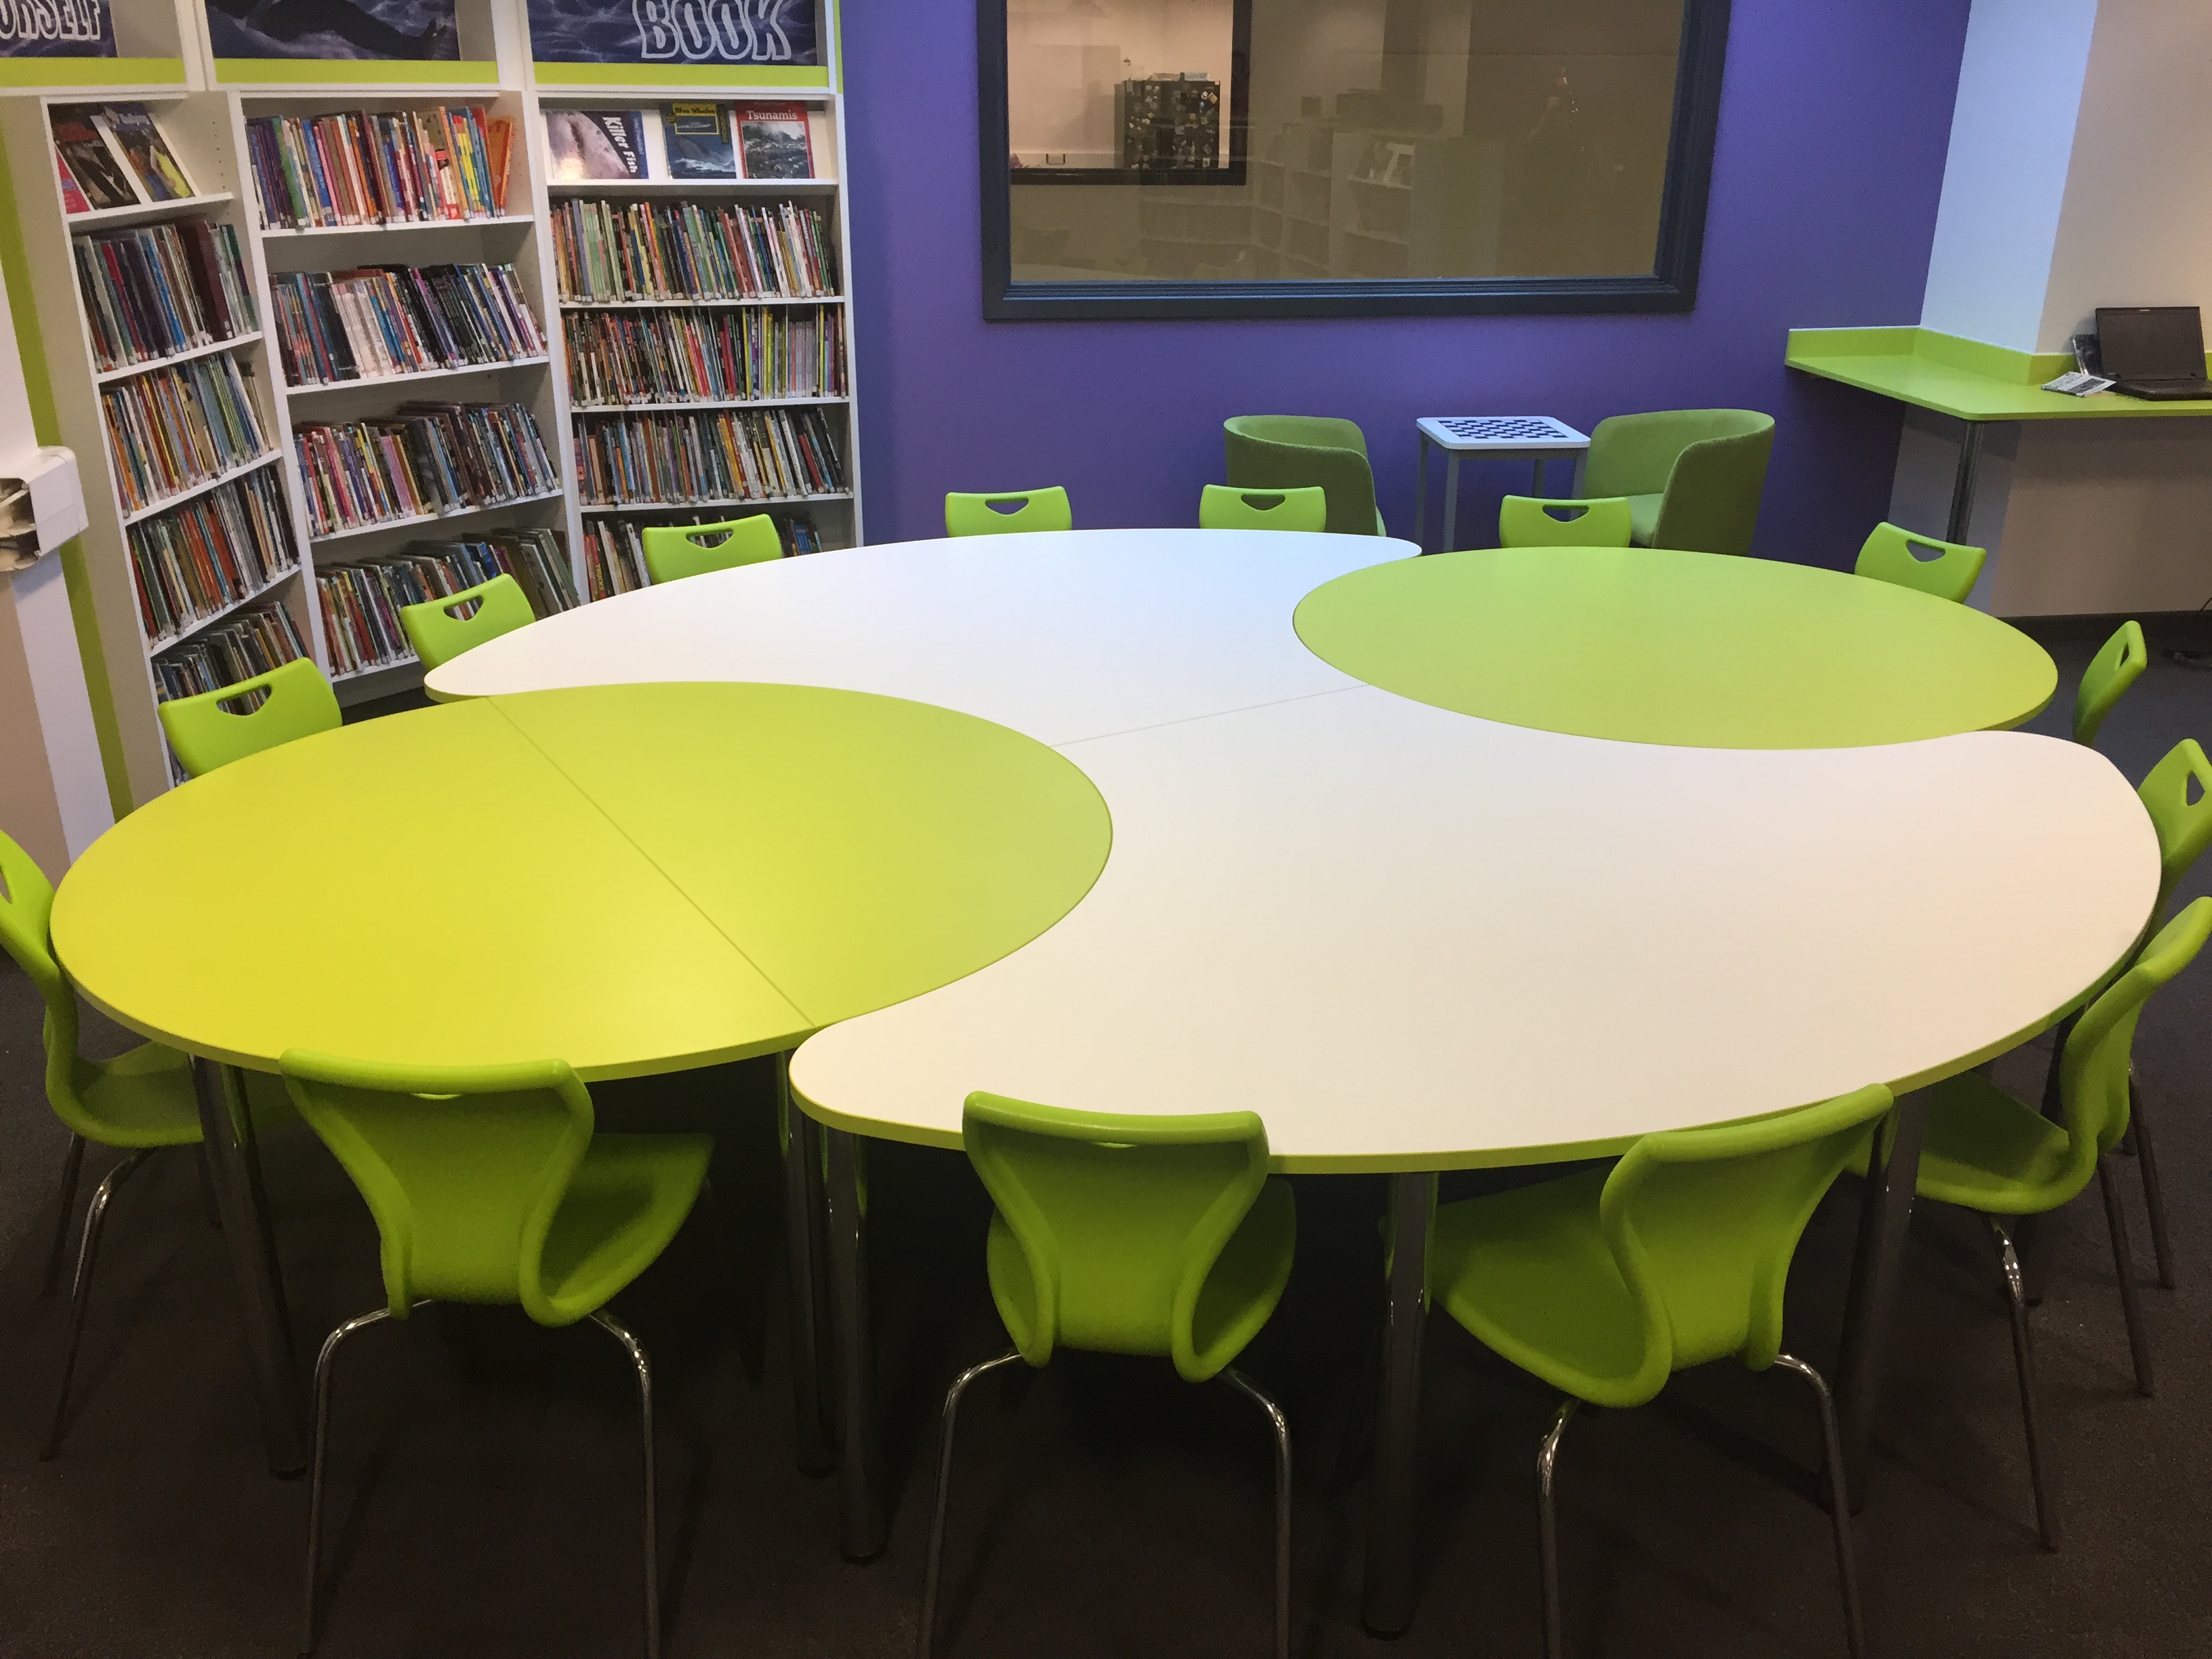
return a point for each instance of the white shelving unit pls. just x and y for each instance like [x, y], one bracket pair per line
[203, 107]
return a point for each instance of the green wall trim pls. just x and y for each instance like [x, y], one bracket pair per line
[812, 77]
[1969, 380]
[91, 72]
[46, 423]
[322, 72]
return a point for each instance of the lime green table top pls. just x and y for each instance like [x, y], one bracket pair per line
[1695, 649]
[634, 879]
[1968, 379]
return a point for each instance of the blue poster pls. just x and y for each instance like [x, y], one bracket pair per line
[55, 28]
[397, 30]
[672, 31]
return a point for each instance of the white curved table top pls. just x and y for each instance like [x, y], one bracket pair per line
[1407, 938]
[1060, 635]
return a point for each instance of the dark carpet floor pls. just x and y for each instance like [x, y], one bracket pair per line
[484, 1497]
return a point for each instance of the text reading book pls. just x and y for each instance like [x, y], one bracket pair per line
[595, 143]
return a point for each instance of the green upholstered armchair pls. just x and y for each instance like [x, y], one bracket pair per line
[1693, 477]
[1296, 452]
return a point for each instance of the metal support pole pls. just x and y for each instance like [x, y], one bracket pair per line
[1387, 1606]
[1962, 485]
[811, 1387]
[1884, 1215]
[1421, 500]
[861, 1519]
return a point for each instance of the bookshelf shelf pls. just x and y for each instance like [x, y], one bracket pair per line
[424, 519]
[696, 304]
[590, 507]
[597, 187]
[398, 228]
[369, 671]
[691, 404]
[147, 213]
[416, 377]
[200, 624]
[236, 342]
[166, 503]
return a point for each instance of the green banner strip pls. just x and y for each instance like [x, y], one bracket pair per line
[814, 78]
[92, 72]
[353, 71]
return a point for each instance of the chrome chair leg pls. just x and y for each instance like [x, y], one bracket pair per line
[208, 1206]
[2124, 1263]
[1839, 1509]
[936, 1559]
[2023, 1354]
[324, 1366]
[635, 1349]
[1547, 1530]
[2154, 1196]
[71, 1163]
[81, 1289]
[1281, 1425]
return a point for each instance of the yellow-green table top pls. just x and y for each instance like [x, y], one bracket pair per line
[634, 878]
[1696, 649]
[1969, 379]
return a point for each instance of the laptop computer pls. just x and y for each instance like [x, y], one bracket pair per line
[2155, 352]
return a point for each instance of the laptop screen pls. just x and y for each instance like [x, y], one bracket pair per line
[2151, 342]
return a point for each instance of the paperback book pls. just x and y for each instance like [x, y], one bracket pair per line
[154, 167]
[94, 167]
[700, 141]
[588, 145]
[773, 140]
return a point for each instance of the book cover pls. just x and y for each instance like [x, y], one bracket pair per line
[774, 141]
[73, 199]
[700, 141]
[92, 161]
[501, 140]
[673, 32]
[595, 143]
[153, 164]
[407, 30]
[75, 28]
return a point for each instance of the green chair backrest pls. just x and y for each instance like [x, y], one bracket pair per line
[1702, 1224]
[440, 629]
[463, 1169]
[1117, 1221]
[1710, 464]
[27, 909]
[1222, 507]
[2110, 674]
[205, 734]
[1534, 522]
[2184, 826]
[673, 552]
[1296, 452]
[1892, 554]
[988, 515]
[2093, 1073]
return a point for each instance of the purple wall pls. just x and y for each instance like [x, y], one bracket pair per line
[1834, 123]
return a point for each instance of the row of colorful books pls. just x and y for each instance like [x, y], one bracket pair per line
[706, 142]
[254, 643]
[160, 289]
[425, 459]
[617, 251]
[730, 455]
[374, 323]
[614, 551]
[113, 156]
[375, 167]
[618, 357]
[210, 553]
[171, 430]
[362, 602]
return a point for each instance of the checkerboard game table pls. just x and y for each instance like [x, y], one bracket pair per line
[1538, 436]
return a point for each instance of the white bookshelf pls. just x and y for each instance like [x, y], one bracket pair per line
[204, 111]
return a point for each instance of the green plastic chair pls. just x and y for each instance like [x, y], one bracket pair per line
[441, 629]
[294, 701]
[490, 1187]
[1693, 477]
[1988, 1152]
[673, 552]
[1294, 451]
[138, 1103]
[1221, 508]
[1161, 1235]
[1534, 522]
[1891, 554]
[1606, 1283]
[994, 515]
[2110, 674]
